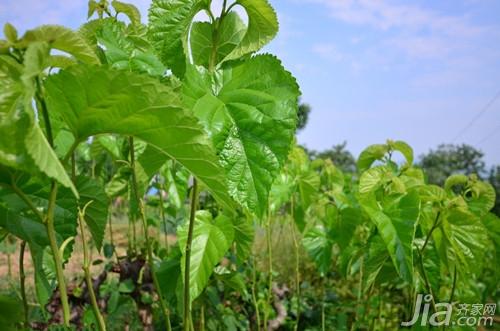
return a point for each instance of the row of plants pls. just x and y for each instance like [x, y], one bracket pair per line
[181, 126]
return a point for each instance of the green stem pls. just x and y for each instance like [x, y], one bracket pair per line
[111, 238]
[360, 290]
[426, 281]
[297, 264]
[70, 152]
[163, 304]
[254, 295]
[202, 318]
[86, 270]
[49, 222]
[434, 227]
[187, 265]
[215, 37]
[454, 285]
[22, 279]
[163, 219]
[323, 326]
[51, 233]
[142, 212]
[270, 268]
[132, 243]
[45, 113]
[452, 289]
[73, 167]
[134, 235]
[421, 259]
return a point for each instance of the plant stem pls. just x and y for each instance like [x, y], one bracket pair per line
[86, 270]
[163, 304]
[215, 37]
[134, 234]
[51, 233]
[323, 304]
[187, 265]
[421, 259]
[111, 239]
[454, 284]
[131, 219]
[73, 167]
[434, 226]
[45, 113]
[270, 267]
[202, 318]
[254, 296]
[360, 290]
[49, 221]
[142, 212]
[162, 215]
[297, 263]
[22, 279]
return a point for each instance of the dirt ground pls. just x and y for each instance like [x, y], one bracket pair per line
[73, 269]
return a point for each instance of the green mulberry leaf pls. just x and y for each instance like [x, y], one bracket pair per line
[375, 258]
[10, 32]
[128, 9]
[211, 240]
[250, 110]
[17, 218]
[461, 240]
[122, 52]
[395, 217]
[63, 39]
[230, 33]
[96, 214]
[26, 147]
[95, 101]
[404, 149]
[244, 233]
[169, 23]
[481, 198]
[262, 27]
[371, 154]
[319, 246]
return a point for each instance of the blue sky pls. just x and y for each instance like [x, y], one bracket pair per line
[419, 71]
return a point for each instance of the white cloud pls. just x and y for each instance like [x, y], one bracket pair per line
[418, 32]
[427, 47]
[328, 51]
[384, 15]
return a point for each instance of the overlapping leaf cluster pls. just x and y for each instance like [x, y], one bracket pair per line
[187, 94]
[129, 117]
[387, 223]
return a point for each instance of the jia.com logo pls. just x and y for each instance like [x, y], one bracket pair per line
[476, 314]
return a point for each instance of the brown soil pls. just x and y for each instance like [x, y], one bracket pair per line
[73, 269]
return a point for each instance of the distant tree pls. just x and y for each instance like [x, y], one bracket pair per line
[340, 157]
[304, 111]
[495, 181]
[450, 159]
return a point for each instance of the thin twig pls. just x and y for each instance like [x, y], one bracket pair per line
[22, 279]
[142, 212]
[187, 263]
